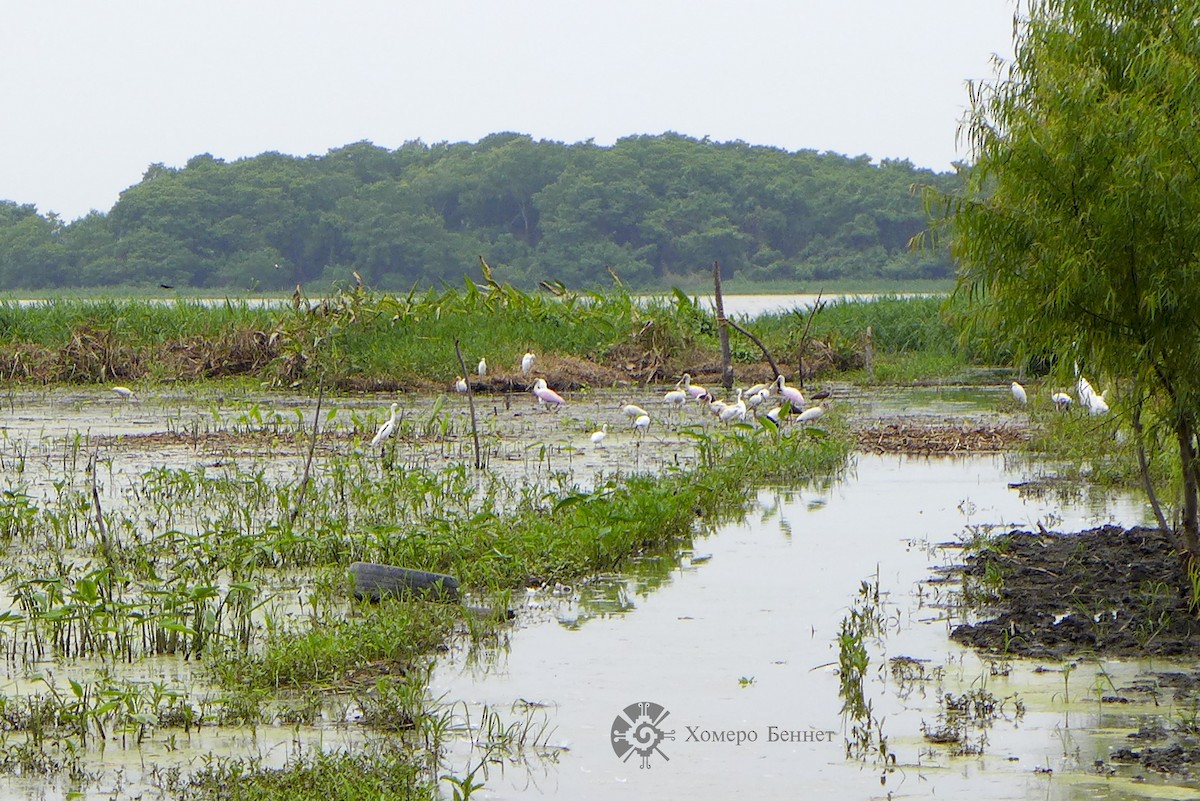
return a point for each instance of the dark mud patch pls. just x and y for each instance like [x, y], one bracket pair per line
[1108, 591]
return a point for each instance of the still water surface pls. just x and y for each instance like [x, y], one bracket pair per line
[741, 636]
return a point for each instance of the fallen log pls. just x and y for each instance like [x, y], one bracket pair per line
[372, 582]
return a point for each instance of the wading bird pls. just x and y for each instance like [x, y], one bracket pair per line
[676, 397]
[1018, 393]
[1092, 400]
[632, 411]
[527, 363]
[1062, 400]
[642, 424]
[789, 393]
[734, 411]
[811, 414]
[386, 429]
[694, 390]
[460, 384]
[481, 370]
[125, 392]
[546, 395]
[598, 436]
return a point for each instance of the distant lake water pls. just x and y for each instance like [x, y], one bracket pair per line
[751, 306]
[744, 306]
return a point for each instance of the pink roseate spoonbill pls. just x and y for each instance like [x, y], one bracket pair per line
[527, 363]
[693, 390]
[1062, 401]
[642, 424]
[789, 393]
[386, 429]
[546, 395]
[1018, 393]
[598, 436]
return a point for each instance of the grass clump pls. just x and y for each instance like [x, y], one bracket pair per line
[379, 771]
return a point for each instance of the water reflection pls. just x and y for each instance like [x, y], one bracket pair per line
[744, 640]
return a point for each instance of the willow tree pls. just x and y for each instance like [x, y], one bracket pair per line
[1079, 231]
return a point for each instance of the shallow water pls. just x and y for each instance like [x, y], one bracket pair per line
[745, 640]
[739, 635]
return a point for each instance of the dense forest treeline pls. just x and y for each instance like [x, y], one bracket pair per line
[652, 209]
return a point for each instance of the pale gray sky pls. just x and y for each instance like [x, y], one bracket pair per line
[94, 92]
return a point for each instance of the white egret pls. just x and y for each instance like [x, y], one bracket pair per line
[125, 392]
[387, 428]
[632, 411]
[642, 424]
[460, 384]
[546, 395]
[735, 411]
[1018, 393]
[598, 436]
[1084, 389]
[788, 393]
[527, 363]
[481, 369]
[1062, 400]
[756, 397]
[676, 397]
[1092, 400]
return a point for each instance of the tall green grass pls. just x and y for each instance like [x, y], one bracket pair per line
[358, 337]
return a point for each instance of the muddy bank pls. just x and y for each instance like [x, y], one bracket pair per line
[1108, 591]
[940, 438]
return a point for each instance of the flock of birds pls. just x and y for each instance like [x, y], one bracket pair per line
[751, 402]
[1089, 399]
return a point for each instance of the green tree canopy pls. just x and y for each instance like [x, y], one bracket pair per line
[1080, 231]
[653, 209]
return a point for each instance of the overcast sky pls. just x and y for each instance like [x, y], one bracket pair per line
[94, 92]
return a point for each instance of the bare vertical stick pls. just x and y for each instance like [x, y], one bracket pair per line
[312, 447]
[722, 330]
[470, 402]
[816, 309]
[101, 526]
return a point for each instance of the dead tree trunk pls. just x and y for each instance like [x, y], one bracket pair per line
[722, 330]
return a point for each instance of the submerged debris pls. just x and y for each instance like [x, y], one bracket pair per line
[926, 438]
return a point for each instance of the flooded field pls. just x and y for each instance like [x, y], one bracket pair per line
[741, 637]
[735, 638]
